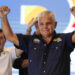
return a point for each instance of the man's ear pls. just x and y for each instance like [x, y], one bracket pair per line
[5, 39]
[55, 24]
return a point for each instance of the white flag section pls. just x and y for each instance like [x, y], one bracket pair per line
[15, 71]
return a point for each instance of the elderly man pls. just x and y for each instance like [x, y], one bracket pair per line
[49, 52]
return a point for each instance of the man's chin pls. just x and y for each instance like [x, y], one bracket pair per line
[45, 35]
[48, 35]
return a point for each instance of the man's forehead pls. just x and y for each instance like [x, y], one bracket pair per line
[45, 18]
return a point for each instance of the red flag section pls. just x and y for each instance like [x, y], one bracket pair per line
[73, 25]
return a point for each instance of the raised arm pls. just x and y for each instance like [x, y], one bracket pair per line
[30, 24]
[4, 10]
[73, 13]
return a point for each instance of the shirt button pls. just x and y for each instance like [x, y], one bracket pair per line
[35, 48]
[44, 62]
[44, 71]
[56, 47]
[30, 61]
[44, 44]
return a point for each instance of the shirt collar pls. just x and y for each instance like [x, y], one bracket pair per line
[54, 36]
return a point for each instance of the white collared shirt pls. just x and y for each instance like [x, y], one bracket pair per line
[6, 60]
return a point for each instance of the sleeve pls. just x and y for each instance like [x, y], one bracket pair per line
[70, 45]
[23, 42]
[17, 63]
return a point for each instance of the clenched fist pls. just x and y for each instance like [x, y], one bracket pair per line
[73, 10]
[4, 10]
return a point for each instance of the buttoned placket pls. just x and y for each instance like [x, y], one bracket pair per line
[45, 56]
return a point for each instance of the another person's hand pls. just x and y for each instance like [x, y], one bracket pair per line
[73, 10]
[32, 22]
[37, 28]
[24, 63]
[4, 10]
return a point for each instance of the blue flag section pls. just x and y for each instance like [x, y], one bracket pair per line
[23, 10]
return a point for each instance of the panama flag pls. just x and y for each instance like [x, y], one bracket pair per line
[71, 27]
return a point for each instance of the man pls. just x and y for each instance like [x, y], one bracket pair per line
[30, 24]
[22, 62]
[49, 52]
[7, 56]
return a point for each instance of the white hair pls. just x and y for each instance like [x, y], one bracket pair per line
[46, 13]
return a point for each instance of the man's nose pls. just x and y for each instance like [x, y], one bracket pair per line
[45, 26]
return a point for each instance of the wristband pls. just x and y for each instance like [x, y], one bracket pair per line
[29, 30]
